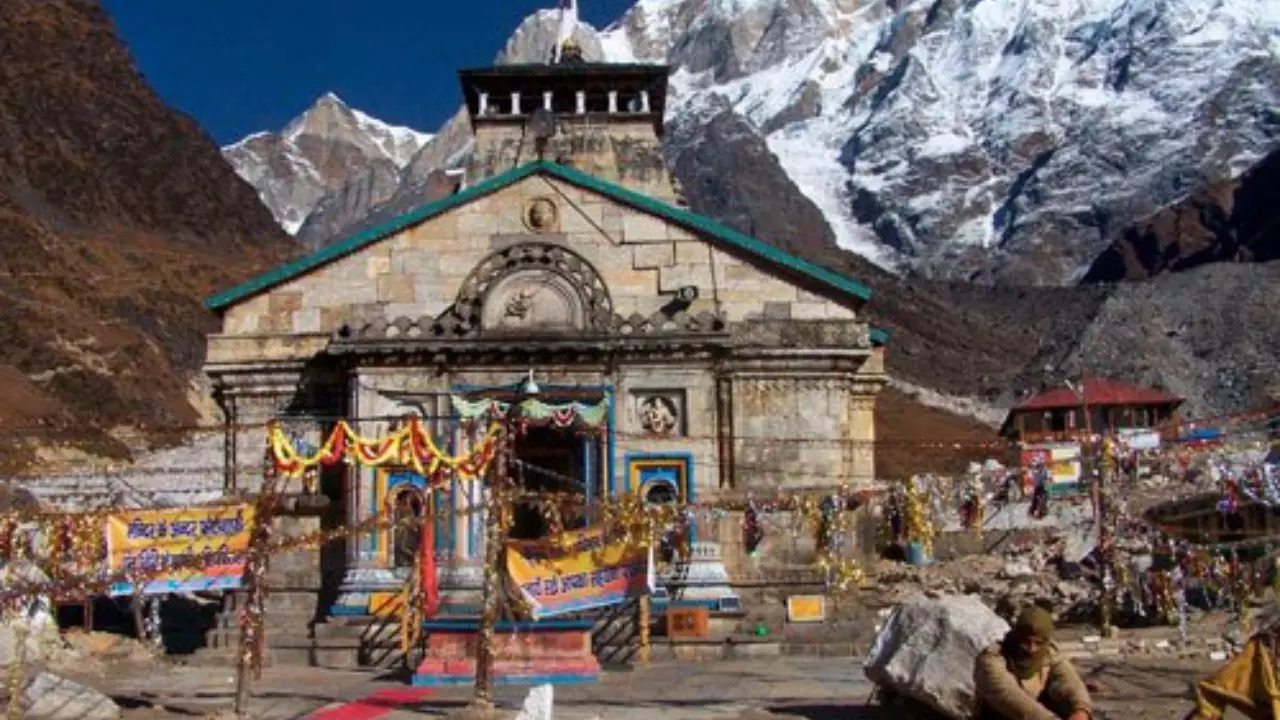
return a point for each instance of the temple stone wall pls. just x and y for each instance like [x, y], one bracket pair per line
[626, 152]
[641, 258]
[800, 432]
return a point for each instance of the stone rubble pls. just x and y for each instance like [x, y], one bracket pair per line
[1019, 577]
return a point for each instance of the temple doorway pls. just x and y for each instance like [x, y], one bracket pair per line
[407, 512]
[549, 460]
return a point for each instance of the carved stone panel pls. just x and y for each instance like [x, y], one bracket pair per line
[533, 300]
[660, 413]
[541, 216]
[534, 286]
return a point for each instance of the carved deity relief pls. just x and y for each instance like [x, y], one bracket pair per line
[660, 413]
[541, 215]
[534, 300]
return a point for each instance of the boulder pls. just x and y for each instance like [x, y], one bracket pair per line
[926, 649]
[52, 697]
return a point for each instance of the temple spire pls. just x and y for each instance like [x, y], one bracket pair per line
[568, 24]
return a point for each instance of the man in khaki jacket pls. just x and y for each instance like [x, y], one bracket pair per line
[1025, 678]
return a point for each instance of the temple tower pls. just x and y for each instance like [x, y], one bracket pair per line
[602, 118]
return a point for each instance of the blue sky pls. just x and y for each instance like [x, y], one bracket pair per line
[238, 66]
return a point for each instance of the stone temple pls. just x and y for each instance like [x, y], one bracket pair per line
[721, 366]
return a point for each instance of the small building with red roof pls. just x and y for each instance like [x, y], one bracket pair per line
[1059, 412]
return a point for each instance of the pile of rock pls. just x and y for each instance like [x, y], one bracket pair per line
[1022, 577]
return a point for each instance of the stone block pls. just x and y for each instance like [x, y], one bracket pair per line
[479, 223]
[284, 301]
[377, 263]
[639, 227]
[696, 251]
[329, 295]
[307, 321]
[809, 311]
[581, 218]
[332, 318]
[682, 275]
[410, 261]
[777, 310]
[457, 265]
[653, 257]
[396, 288]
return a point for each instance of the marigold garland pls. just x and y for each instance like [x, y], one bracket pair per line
[409, 445]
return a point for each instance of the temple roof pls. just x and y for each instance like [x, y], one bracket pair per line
[1098, 392]
[727, 238]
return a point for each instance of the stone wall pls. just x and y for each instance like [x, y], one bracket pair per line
[641, 258]
[802, 432]
[624, 152]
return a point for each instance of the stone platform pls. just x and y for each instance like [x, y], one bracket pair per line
[532, 653]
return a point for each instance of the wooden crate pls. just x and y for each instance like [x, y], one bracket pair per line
[687, 622]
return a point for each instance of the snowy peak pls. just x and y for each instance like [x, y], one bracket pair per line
[330, 119]
[1006, 140]
[320, 152]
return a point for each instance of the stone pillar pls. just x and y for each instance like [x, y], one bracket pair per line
[364, 574]
[644, 101]
[581, 102]
[483, 107]
[546, 100]
[515, 103]
[613, 101]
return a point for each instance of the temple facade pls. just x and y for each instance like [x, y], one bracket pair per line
[706, 364]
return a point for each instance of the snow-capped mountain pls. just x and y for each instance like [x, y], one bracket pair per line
[998, 138]
[1002, 140]
[321, 152]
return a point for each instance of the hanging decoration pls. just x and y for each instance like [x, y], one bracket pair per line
[153, 629]
[971, 507]
[560, 415]
[410, 445]
[918, 517]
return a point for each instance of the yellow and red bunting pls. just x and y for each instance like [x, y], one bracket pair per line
[411, 446]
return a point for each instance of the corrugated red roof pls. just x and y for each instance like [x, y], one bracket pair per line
[1099, 391]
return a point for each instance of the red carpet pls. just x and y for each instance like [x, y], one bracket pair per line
[373, 706]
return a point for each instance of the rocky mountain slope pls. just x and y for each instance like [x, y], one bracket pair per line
[117, 216]
[1233, 220]
[330, 152]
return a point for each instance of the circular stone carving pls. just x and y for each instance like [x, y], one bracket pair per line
[516, 285]
[541, 215]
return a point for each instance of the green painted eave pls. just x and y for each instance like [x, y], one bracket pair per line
[689, 220]
[880, 336]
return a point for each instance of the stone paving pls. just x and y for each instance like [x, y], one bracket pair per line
[755, 689]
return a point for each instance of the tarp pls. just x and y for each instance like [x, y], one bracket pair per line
[1247, 684]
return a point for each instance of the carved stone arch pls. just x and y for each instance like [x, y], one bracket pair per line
[535, 287]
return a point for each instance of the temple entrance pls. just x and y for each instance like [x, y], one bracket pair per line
[407, 510]
[554, 461]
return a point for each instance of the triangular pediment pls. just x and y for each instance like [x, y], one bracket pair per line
[835, 286]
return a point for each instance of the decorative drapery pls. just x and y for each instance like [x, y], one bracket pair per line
[534, 410]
